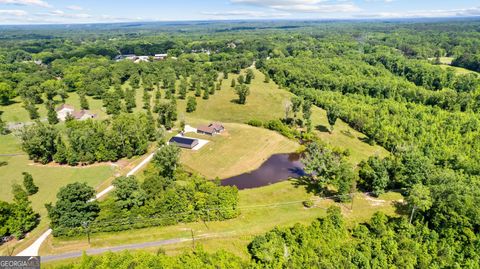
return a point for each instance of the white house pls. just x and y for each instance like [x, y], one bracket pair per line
[63, 111]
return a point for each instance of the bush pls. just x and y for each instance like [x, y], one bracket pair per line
[282, 128]
[255, 123]
[307, 203]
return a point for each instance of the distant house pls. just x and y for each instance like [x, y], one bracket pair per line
[83, 115]
[131, 57]
[160, 56]
[142, 59]
[63, 111]
[184, 142]
[211, 129]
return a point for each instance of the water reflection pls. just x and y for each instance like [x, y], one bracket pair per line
[277, 168]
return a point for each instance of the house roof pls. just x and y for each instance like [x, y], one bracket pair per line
[217, 126]
[184, 141]
[65, 106]
[79, 114]
[206, 129]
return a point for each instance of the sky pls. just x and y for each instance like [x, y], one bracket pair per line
[96, 11]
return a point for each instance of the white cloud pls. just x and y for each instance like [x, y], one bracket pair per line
[39, 3]
[13, 12]
[77, 8]
[465, 12]
[303, 6]
[246, 14]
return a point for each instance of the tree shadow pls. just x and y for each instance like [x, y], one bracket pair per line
[235, 101]
[312, 187]
[401, 208]
[322, 128]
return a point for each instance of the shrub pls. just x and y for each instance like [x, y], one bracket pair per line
[255, 123]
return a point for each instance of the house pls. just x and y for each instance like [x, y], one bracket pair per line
[131, 57]
[184, 142]
[160, 56]
[217, 126]
[211, 129]
[83, 115]
[63, 111]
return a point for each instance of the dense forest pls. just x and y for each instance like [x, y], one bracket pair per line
[386, 80]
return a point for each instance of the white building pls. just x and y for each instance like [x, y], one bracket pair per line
[63, 111]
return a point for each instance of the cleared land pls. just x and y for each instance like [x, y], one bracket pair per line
[239, 149]
[242, 148]
[266, 102]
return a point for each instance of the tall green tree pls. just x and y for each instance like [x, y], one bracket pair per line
[29, 184]
[191, 104]
[74, 206]
[166, 160]
[242, 91]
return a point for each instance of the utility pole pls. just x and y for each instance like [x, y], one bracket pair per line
[86, 226]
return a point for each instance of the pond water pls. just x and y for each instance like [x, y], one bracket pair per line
[277, 168]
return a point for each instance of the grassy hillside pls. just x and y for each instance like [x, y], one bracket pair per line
[239, 149]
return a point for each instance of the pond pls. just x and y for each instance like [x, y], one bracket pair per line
[277, 168]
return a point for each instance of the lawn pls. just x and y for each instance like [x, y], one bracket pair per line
[48, 178]
[262, 209]
[266, 102]
[241, 148]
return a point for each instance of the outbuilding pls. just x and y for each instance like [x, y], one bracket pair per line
[184, 142]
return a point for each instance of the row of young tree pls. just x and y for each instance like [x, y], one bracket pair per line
[125, 135]
[167, 195]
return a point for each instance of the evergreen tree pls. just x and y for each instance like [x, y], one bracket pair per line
[242, 91]
[250, 76]
[24, 218]
[198, 92]
[31, 109]
[146, 99]
[3, 127]
[206, 94]
[83, 101]
[130, 102]
[241, 79]
[52, 113]
[29, 184]
[191, 104]
[233, 84]
[61, 155]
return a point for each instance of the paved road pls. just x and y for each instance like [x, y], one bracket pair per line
[33, 249]
[113, 249]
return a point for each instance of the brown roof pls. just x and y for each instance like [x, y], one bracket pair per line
[206, 129]
[63, 106]
[217, 126]
[79, 114]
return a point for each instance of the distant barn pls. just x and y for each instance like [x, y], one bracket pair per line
[184, 142]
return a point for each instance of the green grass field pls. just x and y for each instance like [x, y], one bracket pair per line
[262, 209]
[241, 148]
[266, 102]
[48, 178]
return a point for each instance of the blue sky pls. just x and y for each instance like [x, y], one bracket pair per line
[87, 11]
